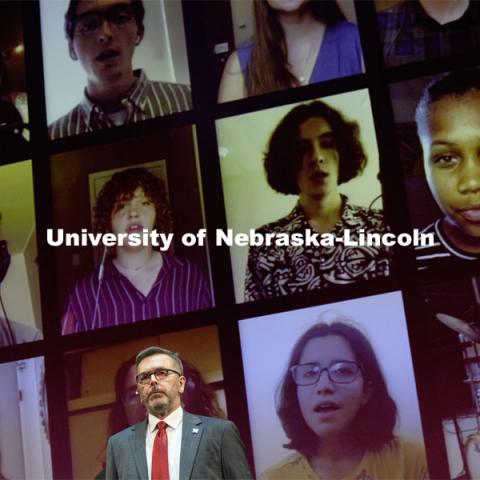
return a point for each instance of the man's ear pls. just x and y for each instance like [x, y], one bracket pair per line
[140, 33]
[182, 382]
[71, 50]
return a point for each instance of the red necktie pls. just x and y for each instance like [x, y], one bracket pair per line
[160, 453]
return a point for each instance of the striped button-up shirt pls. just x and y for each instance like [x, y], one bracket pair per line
[180, 287]
[145, 100]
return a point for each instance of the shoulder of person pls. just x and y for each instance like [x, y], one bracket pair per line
[178, 91]
[279, 225]
[181, 263]
[126, 433]
[209, 422]
[89, 280]
[178, 86]
[233, 65]
[394, 11]
[429, 228]
[371, 215]
[288, 468]
[25, 333]
[344, 29]
[411, 455]
[393, 17]
[60, 127]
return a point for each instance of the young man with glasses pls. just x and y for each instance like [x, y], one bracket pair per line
[102, 35]
[173, 444]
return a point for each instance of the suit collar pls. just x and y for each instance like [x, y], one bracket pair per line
[192, 431]
[137, 444]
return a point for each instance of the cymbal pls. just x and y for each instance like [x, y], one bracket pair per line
[460, 326]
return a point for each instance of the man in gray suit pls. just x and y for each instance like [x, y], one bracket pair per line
[172, 444]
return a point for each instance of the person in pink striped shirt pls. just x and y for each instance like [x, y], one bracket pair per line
[134, 283]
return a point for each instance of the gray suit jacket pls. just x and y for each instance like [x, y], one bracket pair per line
[211, 449]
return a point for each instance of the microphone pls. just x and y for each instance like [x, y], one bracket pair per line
[101, 271]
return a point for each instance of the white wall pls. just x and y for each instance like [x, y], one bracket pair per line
[266, 346]
[65, 79]
[11, 446]
[34, 419]
[249, 200]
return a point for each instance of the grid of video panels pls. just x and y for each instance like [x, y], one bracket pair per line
[197, 128]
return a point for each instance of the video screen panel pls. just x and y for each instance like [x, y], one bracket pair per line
[413, 32]
[135, 70]
[14, 118]
[140, 185]
[437, 126]
[256, 53]
[20, 309]
[333, 368]
[452, 309]
[102, 398]
[24, 433]
[262, 157]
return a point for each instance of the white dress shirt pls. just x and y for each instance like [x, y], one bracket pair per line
[174, 436]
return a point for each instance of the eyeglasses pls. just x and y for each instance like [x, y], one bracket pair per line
[338, 372]
[119, 16]
[159, 374]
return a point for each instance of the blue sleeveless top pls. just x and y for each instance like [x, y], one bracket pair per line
[340, 54]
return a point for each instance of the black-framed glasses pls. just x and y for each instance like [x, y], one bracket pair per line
[338, 372]
[159, 374]
[117, 15]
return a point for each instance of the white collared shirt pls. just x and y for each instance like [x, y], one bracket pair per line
[174, 436]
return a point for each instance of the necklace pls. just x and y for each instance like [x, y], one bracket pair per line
[131, 269]
[311, 45]
[302, 78]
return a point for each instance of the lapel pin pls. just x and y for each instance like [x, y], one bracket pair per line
[194, 430]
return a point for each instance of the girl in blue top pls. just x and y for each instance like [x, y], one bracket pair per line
[296, 42]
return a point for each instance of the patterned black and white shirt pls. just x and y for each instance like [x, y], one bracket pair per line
[147, 99]
[274, 271]
[443, 255]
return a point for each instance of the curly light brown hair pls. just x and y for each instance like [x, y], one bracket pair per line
[121, 187]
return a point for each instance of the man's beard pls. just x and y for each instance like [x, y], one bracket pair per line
[161, 407]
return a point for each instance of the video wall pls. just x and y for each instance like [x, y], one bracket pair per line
[302, 179]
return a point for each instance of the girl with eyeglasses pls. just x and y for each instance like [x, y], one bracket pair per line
[337, 413]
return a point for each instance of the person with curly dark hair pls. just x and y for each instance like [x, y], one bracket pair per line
[136, 282]
[337, 413]
[311, 152]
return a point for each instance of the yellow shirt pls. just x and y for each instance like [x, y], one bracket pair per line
[397, 460]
